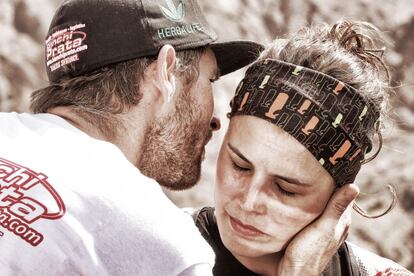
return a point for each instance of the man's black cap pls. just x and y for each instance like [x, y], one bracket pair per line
[89, 34]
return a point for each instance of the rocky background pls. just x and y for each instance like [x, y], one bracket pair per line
[23, 24]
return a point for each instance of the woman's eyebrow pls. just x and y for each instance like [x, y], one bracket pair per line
[238, 153]
[285, 178]
[293, 181]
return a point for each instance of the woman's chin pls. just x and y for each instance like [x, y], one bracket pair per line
[249, 249]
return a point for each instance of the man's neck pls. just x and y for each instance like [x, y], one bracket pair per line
[129, 142]
[264, 265]
[72, 118]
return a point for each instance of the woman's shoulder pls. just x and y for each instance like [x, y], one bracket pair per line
[368, 263]
[206, 223]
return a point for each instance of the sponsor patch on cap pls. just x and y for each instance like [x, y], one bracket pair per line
[173, 13]
[63, 46]
[177, 14]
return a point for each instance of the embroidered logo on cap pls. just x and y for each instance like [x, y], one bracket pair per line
[177, 14]
[171, 12]
[63, 46]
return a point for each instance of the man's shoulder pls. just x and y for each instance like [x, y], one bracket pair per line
[101, 195]
[27, 127]
[369, 263]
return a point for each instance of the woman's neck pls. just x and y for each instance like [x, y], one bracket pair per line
[266, 265]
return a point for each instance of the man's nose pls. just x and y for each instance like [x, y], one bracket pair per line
[215, 124]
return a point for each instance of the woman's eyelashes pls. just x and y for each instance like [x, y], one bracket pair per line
[240, 168]
[282, 189]
[284, 192]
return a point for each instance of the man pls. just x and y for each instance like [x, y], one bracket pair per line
[136, 74]
[130, 87]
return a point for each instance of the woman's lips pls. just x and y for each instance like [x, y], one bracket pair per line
[244, 229]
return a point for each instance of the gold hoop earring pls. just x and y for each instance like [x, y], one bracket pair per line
[369, 159]
[363, 213]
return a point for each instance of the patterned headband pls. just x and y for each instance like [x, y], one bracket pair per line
[325, 115]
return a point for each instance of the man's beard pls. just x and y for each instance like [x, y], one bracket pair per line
[173, 146]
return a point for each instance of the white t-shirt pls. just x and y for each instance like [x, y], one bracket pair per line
[74, 205]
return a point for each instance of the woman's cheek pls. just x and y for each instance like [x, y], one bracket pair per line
[233, 184]
[228, 180]
[290, 219]
[225, 187]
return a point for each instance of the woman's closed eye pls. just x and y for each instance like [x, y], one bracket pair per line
[284, 190]
[239, 167]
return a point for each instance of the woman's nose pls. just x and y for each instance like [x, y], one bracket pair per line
[250, 201]
[215, 124]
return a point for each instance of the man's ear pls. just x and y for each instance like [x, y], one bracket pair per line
[164, 78]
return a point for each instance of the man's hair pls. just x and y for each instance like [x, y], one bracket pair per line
[98, 97]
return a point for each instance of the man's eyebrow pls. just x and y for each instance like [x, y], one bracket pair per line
[217, 73]
[238, 153]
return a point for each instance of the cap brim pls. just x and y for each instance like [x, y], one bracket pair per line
[234, 55]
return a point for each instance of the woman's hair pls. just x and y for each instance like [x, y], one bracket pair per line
[350, 51]
[98, 97]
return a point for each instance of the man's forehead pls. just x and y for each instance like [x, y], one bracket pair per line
[212, 60]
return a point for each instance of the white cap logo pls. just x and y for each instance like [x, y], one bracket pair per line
[173, 13]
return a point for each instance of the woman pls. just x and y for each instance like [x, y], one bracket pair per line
[302, 122]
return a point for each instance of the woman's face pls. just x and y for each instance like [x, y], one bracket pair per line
[268, 187]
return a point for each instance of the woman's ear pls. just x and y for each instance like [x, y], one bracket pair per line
[164, 77]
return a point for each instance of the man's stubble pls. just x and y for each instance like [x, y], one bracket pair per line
[173, 145]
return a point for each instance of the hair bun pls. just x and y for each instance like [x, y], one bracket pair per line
[361, 39]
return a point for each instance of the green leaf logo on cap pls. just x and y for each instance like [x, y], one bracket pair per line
[172, 13]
